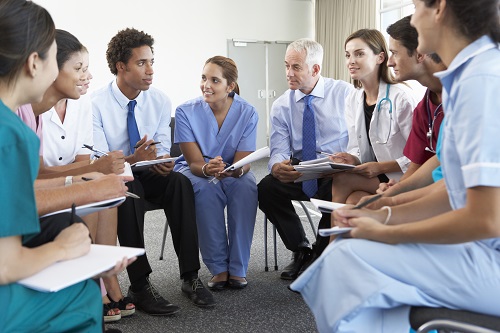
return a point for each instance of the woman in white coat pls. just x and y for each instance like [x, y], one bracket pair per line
[378, 116]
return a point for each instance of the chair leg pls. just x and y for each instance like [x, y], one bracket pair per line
[309, 218]
[266, 267]
[164, 238]
[275, 249]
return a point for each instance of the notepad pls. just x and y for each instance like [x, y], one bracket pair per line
[91, 207]
[326, 206]
[63, 274]
[153, 162]
[319, 169]
[333, 231]
[255, 156]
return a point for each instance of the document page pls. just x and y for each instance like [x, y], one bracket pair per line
[91, 207]
[63, 274]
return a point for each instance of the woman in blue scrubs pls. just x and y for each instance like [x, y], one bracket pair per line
[214, 130]
[27, 68]
[444, 249]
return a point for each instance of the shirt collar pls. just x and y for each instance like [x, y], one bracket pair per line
[479, 46]
[318, 91]
[121, 98]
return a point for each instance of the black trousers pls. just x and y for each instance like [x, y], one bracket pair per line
[175, 194]
[275, 200]
[50, 227]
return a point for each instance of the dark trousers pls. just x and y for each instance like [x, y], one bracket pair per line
[275, 200]
[175, 194]
[50, 227]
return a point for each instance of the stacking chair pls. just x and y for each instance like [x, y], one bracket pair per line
[175, 151]
[424, 320]
[266, 267]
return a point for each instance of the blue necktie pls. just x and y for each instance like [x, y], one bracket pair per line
[309, 187]
[133, 131]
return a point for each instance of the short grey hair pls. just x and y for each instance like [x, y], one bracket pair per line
[313, 50]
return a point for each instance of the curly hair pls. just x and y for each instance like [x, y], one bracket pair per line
[121, 45]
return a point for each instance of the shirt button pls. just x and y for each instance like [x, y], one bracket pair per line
[60, 158]
[63, 137]
[359, 137]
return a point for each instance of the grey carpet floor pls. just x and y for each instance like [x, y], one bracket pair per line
[266, 305]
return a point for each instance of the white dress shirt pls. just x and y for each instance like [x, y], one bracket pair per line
[152, 113]
[63, 141]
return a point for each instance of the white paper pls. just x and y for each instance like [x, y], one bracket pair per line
[153, 162]
[127, 172]
[326, 206]
[63, 274]
[318, 160]
[333, 231]
[255, 156]
[317, 170]
[91, 207]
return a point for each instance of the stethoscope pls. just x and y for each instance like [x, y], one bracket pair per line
[386, 99]
[431, 121]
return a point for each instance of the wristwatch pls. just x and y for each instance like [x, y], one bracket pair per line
[68, 181]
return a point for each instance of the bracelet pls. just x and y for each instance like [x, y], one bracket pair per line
[203, 170]
[68, 181]
[242, 173]
[389, 213]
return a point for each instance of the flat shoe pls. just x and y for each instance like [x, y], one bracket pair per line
[237, 284]
[219, 285]
[109, 314]
[125, 305]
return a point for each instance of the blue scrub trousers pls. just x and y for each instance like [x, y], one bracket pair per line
[225, 250]
[363, 286]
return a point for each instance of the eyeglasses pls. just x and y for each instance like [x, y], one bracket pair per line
[432, 121]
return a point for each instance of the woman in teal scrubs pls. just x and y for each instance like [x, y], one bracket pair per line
[27, 68]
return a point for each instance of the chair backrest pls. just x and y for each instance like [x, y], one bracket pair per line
[175, 150]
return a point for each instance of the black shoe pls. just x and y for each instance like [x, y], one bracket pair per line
[237, 284]
[150, 301]
[309, 262]
[299, 258]
[197, 293]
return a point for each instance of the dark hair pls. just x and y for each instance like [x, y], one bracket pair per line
[404, 33]
[67, 45]
[376, 42]
[435, 58]
[26, 28]
[474, 18]
[229, 70]
[121, 45]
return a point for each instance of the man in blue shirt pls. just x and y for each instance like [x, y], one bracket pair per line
[131, 116]
[303, 65]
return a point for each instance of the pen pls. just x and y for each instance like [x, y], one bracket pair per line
[153, 143]
[211, 158]
[323, 153]
[128, 194]
[367, 202]
[95, 150]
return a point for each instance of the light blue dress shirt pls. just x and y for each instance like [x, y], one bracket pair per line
[152, 114]
[286, 120]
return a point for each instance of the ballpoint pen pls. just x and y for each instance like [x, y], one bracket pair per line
[95, 150]
[128, 194]
[367, 202]
[211, 158]
[152, 143]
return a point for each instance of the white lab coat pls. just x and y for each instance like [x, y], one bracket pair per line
[403, 103]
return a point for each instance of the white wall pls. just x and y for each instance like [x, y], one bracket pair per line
[186, 32]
